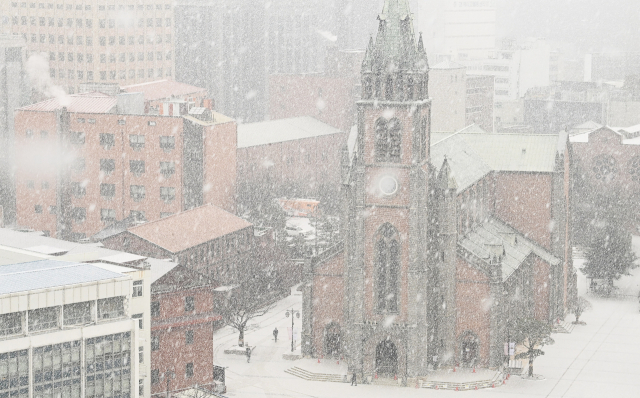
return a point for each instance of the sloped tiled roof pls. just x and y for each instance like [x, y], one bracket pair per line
[191, 228]
[494, 232]
[282, 130]
[77, 103]
[49, 274]
[162, 89]
[516, 152]
[466, 164]
[502, 152]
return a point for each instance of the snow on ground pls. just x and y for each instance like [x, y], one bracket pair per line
[599, 359]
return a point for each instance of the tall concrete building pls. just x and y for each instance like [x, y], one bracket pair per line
[232, 47]
[14, 93]
[221, 45]
[457, 30]
[70, 328]
[126, 41]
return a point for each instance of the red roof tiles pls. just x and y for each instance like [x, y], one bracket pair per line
[190, 228]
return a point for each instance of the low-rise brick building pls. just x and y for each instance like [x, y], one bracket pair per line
[606, 164]
[297, 157]
[183, 319]
[207, 239]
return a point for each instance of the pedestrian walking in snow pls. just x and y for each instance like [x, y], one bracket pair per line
[248, 354]
[275, 334]
[354, 380]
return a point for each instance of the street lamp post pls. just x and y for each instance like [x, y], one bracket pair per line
[297, 314]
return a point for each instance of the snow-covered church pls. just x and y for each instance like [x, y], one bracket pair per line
[445, 236]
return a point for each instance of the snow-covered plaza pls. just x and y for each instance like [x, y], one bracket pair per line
[599, 359]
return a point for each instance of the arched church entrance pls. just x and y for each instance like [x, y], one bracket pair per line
[386, 359]
[332, 340]
[470, 350]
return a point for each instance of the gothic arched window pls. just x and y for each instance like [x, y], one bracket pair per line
[389, 89]
[388, 140]
[410, 89]
[378, 88]
[368, 88]
[387, 262]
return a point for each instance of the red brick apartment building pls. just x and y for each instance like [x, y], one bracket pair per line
[183, 319]
[207, 239]
[83, 163]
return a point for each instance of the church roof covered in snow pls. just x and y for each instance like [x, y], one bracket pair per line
[282, 130]
[494, 238]
[472, 153]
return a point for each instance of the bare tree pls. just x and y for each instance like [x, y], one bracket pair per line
[533, 335]
[249, 299]
[581, 305]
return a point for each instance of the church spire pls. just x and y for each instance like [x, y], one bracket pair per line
[395, 67]
[395, 45]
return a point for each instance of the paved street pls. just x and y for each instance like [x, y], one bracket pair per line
[600, 359]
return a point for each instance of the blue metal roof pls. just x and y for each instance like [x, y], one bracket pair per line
[46, 274]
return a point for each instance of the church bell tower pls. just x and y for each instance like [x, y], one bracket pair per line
[386, 192]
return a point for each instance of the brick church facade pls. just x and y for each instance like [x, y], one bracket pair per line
[446, 236]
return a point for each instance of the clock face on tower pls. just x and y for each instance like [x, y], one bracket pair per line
[388, 186]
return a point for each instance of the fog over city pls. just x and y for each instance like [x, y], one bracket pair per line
[305, 198]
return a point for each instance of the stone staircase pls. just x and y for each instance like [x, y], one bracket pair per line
[498, 380]
[563, 327]
[386, 382]
[311, 376]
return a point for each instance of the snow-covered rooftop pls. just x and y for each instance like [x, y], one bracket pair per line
[282, 130]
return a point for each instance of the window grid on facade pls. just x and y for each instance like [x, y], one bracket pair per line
[167, 169]
[107, 215]
[137, 289]
[107, 190]
[136, 166]
[137, 192]
[136, 141]
[14, 374]
[189, 304]
[108, 366]
[140, 319]
[167, 194]
[56, 370]
[155, 309]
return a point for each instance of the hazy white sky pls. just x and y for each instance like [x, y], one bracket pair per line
[593, 25]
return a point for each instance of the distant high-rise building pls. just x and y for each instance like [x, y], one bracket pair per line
[457, 30]
[14, 92]
[127, 42]
[232, 47]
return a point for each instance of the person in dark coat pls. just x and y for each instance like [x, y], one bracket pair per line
[248, 354]
[354, 379]
[275, 334]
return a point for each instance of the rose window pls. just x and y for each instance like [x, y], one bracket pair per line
[605, 167]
